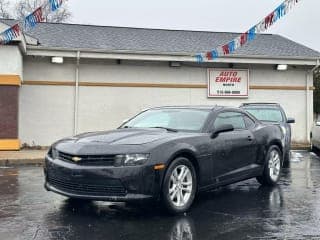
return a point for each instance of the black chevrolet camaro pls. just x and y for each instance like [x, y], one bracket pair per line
[167, 154]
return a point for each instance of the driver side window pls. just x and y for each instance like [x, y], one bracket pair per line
[234, 118]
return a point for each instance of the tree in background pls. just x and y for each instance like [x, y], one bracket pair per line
[4, 6]
[24, 7]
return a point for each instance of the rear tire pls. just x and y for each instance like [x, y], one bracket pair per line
[180, 186]
[273, 166]
[287, 156]
[313, 148]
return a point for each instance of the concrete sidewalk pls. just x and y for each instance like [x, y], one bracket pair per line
[23, 157]
[36, 157]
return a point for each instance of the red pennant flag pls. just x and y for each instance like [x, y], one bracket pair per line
[225, 49]
[16, 30]
[38, 15]
[209, 55]
[269, 20]
[243, 38]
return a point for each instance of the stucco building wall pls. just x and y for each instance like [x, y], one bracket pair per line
[47, 98]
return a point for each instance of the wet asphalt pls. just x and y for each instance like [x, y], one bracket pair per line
[240, 211]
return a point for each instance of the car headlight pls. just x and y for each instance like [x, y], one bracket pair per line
[131, 159]
[53, 153]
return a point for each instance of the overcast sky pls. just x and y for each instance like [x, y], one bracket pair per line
[209, 15]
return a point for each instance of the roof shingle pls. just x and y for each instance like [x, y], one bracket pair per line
[106, 38]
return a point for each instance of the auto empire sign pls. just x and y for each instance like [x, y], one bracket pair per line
[227, 83]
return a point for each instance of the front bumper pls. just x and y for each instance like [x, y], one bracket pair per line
[127, 198]
[101, 183]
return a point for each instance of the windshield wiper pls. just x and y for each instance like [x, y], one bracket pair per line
[168, 129]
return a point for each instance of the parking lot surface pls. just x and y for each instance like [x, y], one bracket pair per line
[240, 211]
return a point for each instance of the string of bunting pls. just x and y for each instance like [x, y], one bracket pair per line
[30, 21]
[249, 35]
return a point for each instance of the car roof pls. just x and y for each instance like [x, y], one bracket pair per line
[259, 104]
[204, 107]
[200, 107]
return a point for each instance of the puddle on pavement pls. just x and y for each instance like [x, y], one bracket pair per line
[240, 211]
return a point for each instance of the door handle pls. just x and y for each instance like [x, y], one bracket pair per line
[250, 138]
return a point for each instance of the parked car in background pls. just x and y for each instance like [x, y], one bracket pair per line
[167, 153]
[273, 113]
[315, 135]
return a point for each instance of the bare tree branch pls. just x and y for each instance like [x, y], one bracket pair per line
[4, 9]
[24, 7]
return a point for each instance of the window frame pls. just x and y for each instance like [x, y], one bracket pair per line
[211, 125]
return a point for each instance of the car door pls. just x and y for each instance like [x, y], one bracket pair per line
[316, 134]
[233, 152]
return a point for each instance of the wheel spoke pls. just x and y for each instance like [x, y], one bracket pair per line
[175, 175]
[178, 197]
[184, 174]
[171, 190]
[186, 183]
[188, 190]
[173, 194]
[181, 197]
[183, 170]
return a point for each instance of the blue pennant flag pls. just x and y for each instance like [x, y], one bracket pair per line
[252, 33]
[214, 54]
[199, 58]
[55, 4]
[8, 34]
[231, 46]
[280, 12]
[34, 18]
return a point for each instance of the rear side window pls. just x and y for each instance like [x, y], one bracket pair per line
[236, 119]
[266, 114]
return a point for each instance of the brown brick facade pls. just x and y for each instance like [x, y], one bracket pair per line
[9, 100]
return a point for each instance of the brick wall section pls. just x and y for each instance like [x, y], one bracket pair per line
[9, 96]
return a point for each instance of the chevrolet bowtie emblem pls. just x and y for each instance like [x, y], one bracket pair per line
[76, 159]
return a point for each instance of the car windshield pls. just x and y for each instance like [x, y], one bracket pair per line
[172, 119]
[266, 114]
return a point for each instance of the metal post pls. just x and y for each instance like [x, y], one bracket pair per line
[76, 98]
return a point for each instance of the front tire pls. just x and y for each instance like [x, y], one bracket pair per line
[273, 166]
[179, 186]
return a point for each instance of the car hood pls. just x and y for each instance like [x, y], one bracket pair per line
[115, 141]
[124, 136]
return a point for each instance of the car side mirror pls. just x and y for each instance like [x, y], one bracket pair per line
[318, 123]
[291, 120]
[221, 129]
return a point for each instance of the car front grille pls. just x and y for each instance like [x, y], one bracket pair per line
[88, 160]
[111, 187]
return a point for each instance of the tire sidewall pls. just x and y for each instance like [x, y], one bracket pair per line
[165, 186]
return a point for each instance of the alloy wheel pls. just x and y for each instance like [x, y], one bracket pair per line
[274, 165]
[180, 186]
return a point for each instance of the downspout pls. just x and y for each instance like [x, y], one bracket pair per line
[76, 98]
[307, 98]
